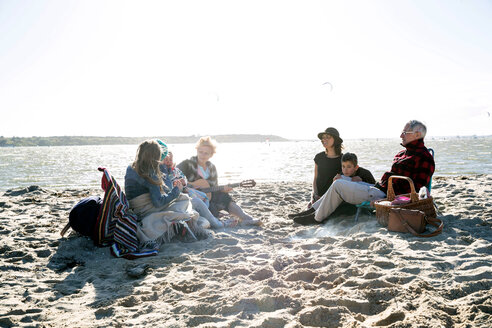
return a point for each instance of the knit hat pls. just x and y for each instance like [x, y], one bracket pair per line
[163, 148]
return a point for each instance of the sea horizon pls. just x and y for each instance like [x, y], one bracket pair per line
[64, 167]
[222, 138]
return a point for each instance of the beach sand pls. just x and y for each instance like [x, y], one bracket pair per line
[339, 274]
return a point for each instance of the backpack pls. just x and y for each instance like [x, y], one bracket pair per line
[83, 215]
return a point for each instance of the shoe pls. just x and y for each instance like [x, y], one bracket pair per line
[306, 212]
[306, 219]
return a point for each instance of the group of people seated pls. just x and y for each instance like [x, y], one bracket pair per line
[159, 191]
[155, 185]
[356, 185]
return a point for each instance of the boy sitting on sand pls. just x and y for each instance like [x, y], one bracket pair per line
[353, 172]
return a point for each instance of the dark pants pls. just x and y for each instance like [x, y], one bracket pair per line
[220, 201]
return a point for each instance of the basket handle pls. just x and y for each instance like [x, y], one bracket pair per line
[391, 193]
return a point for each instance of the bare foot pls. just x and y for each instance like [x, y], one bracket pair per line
[230, 223]
[251, 221]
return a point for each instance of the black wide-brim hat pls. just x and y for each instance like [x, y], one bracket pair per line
[332, 132]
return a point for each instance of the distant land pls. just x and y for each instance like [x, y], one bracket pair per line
[83, 140]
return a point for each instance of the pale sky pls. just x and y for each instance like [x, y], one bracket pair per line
[148, 68]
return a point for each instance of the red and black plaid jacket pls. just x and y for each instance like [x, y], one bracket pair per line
[414, 162]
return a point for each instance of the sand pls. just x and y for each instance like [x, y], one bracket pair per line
[339, 274]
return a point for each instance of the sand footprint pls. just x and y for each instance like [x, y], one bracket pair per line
[129, 302]
[223, 252]
[302, 275]
[187, 287]
[281, 263]
[103, 313]
[322, 316]
[239, 272]
[261, 274]
[390, 318]
[195, 321]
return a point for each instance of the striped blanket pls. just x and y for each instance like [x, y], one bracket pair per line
[116, 225]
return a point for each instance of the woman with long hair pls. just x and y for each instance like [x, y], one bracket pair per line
[162, 210]
[144, 176]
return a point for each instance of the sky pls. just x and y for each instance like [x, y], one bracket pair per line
[287, 68]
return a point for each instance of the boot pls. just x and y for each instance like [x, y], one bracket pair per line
[306, 212]
[306, 219]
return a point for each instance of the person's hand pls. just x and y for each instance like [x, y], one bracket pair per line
[179, 184]
[183, 182]
[227, 189]
[357, 178]
[338, 176]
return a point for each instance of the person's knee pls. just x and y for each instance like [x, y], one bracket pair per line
[197, 203]
[194, 201]
[340, 185]
[232, 206]
[337, 183]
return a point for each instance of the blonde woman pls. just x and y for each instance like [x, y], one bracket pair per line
[201, 172]
[198, 199]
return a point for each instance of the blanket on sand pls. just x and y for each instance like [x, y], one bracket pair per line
[158, 225]
[116, 225]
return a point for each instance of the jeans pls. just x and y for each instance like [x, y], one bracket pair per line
[202, 209]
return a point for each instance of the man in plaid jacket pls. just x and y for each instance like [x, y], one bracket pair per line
[415, 162]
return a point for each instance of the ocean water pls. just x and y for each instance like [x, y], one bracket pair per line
[76, 166]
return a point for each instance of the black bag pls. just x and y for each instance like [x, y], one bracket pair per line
[83, 215]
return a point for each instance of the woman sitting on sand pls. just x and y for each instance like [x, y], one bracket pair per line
[200, 171]
[159, 205]
[327, 164]
[143, 176]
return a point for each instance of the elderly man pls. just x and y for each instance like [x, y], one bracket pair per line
[414, 162]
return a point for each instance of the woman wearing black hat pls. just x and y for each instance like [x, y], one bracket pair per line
[327, 163]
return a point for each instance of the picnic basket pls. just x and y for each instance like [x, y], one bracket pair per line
[383, 206]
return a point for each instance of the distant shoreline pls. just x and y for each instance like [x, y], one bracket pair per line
[93, 140]
[225, 138]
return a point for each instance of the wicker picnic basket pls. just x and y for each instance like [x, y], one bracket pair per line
[383, 206]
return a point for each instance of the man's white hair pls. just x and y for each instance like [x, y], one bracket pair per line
[417, 126]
